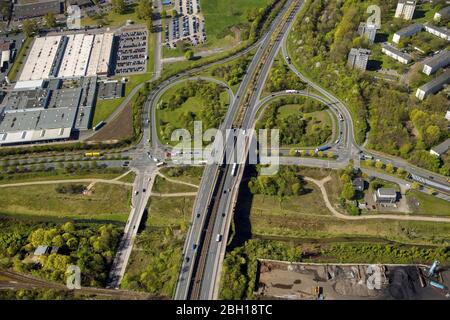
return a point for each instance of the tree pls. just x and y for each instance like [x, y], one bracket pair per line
[379, 165]
[348, 192]
[400, 171]
[50, 20]
[330, 154]
[173, 13]
[345, 178]
[390, 168]
[415, 185]
[30, 27]
[118, 6]
[292, 152]
[144, 9]
[163, 13]
[189, 54]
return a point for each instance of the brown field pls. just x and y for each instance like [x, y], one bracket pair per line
[121, 127]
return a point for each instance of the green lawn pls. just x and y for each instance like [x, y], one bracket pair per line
[425, 204]
[163, 186]
[221, 15]
[174, 211]
[12, 74]
[43, 200]
[113, 19]
[188, 174]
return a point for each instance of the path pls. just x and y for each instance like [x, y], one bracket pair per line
[337, 214]
[32, 183]
[169, 195]
[177, 181]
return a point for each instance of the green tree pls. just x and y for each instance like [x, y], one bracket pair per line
[379, 165]
[30, 27]
[390, 168]
[144, 9]
[189, 54]
[50, 20]
[173, 13]
[348, 192]
[415, 185]
[118, 6]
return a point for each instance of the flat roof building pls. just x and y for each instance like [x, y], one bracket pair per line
[405, 9]
[433, 86]
[49, 113]
[358, 58]
[406, 32]
[100, 60]
[385, 196]
[440, 32]
[76, 56]
[40, 59]
[36, 8]
[441, 148]
[368, 30]
[396, 54]
[437, 62]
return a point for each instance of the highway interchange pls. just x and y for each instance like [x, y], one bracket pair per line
[219, 187]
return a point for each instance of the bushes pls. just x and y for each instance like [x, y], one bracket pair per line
[240, 266]
[287, 182]
[91, 247]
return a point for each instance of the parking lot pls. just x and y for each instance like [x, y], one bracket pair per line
[187, 26]
[131, 51]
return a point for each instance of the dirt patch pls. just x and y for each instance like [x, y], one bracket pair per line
[120, 128]
[284, 280]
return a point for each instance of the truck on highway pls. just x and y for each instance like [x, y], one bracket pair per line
[233, 169]
[291, 91]
[341, 118]
[160, 164]
[323, 148]
[288, 59]
[99, 125]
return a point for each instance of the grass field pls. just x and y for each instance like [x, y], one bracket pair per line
[306, 217]
[113, 19]
[189, 174]
[43, 200]
[164, 212]
[220, 16]
[44, 176]
[425, 204]
[163, 186]
[174, 117]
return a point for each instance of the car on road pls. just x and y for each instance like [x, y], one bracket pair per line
[143, 190]
[136, 193]
[126, 164]
[218, 237]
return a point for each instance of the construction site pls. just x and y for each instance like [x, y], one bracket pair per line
[314, 281]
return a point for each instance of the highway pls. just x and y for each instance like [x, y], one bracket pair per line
[218, 187]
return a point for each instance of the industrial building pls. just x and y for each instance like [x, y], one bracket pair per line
[36, 8]
[444, 13]
[441, 148]
[405, 9]
[396, 54]
[358, 58]
[52, 112]
[406, 32]
[437, 62]
[385, 196]
[68, 57]
[5, 54]
[368, 30]
[433, 86]
[440, 32]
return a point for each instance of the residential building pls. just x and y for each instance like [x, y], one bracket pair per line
[437, 62]
[396, 54]
[440, 32]
[358, 184]
[442, 14]
[433, 86]
[44, 250]
[358, 58]
[405, 9]
[368, 30]
[406, 32]
[441, 148]
[36, 8]
[385, 196]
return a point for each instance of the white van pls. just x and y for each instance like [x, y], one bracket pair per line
[218, 237]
